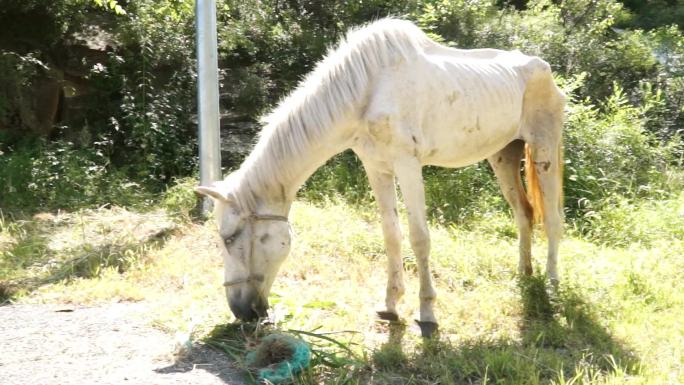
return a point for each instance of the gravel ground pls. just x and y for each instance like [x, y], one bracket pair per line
[53, 345]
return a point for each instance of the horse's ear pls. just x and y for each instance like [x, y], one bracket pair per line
[213, 192]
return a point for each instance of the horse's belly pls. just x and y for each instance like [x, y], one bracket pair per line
[465, 134]
[460, 153]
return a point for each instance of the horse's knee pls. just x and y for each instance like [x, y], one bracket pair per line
[420, 243]
[392, 235]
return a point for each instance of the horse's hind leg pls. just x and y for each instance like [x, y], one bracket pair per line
[385, 193]
[543, 106]
[547, 165]
[506, 166]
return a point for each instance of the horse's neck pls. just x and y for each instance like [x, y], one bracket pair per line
[280, 164]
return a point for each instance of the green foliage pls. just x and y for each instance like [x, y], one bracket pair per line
[35, 25]
[180, 200]
[111, 4]
[460, 195]
[341, 176]
[609, 153]
[266, 47]
[459, 23]
[149, 120]
[622, 222]
[138, 98]
[651, 14]
[573, 36]
[37, 176]
[622, 137]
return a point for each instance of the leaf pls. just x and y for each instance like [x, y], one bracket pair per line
[325, 305]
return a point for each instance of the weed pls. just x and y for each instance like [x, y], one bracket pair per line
[180, 200]
[614, 318]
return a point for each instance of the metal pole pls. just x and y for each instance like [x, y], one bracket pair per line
[207, 96]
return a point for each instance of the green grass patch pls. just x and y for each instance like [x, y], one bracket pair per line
[615, 318]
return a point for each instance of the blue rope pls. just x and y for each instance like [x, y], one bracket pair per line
[285, 370]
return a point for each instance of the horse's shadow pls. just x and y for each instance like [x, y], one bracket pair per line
[561, 337]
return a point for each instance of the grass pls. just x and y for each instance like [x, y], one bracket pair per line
[50, 248]
[616, 318]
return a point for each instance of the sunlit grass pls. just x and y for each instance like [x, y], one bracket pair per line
[616, 318]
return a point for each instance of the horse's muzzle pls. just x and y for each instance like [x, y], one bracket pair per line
[246, 304]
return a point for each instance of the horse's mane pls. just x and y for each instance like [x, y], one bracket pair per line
[338, 83]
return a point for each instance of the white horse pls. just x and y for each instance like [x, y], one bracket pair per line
[400, 101]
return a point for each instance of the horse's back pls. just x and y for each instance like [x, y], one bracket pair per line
[451, 107]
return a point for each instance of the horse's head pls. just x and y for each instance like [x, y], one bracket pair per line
[253, 245]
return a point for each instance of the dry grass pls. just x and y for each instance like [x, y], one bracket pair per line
[616, 319]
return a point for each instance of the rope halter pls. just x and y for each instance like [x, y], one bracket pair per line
[253, 218]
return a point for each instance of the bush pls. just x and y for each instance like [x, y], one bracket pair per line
[610, 153]
[341, 177]
[148, 104]
[461, 195]
[180, 200]
[623, 122]
[38, 176]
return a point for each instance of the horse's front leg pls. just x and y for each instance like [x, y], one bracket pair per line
[409, 173]
[384, 189]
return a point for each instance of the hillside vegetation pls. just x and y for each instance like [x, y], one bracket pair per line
[124, 126]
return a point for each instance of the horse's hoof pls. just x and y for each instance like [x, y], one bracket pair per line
[427, 328]
[387, 315]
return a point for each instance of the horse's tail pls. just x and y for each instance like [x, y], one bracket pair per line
[535, 194]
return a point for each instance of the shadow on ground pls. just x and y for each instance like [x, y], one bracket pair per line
[108, 344]
[203, 357]
[562, 339]
[50, 248]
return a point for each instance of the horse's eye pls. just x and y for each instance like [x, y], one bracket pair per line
[228, 240]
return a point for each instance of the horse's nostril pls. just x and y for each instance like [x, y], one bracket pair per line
[243, 311]
[246, 304]
[261, 307]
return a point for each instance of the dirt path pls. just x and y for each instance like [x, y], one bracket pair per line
[44, 345]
